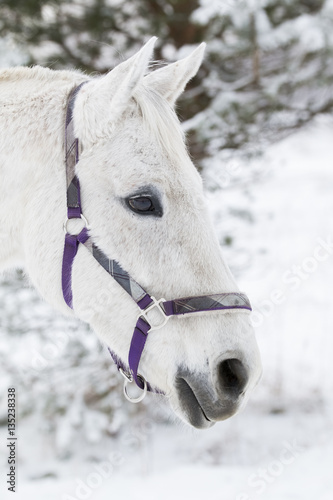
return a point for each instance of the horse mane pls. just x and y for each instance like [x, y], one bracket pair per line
[38, 73]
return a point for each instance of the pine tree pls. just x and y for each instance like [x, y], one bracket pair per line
[267, 68]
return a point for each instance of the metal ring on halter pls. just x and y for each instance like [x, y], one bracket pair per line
[128, 380]
[82, 217]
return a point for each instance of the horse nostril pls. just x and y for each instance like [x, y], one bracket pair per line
[232, 376]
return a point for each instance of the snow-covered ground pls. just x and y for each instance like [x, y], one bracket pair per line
[281, 446]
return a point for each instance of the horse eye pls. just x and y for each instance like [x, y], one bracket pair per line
[141, 204]
[145, 203]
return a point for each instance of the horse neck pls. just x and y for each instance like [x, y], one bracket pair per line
[31, 155]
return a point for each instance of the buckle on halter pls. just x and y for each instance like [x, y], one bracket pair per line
[155, 305]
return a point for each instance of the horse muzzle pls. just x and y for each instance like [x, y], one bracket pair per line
[209, 397]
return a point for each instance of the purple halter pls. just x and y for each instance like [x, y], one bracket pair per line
[166, 308]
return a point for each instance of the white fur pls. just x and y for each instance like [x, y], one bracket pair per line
[130, 137]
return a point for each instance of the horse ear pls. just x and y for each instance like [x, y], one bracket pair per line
[171, 80]
[103, 100]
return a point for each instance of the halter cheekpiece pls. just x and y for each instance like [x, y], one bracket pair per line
[145, 302]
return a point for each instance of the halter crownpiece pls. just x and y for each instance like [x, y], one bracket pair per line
[145, 302]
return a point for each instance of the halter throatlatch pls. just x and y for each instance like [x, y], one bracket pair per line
[146, 303]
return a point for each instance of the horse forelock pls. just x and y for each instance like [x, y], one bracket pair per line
[162, 124]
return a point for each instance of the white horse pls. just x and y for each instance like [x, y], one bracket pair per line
[145, 205]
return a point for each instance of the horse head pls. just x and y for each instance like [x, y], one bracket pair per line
[146, 210]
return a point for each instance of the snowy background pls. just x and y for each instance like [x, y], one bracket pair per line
[79, 438]
[153, 456]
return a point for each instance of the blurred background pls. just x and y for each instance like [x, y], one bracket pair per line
[258, 118]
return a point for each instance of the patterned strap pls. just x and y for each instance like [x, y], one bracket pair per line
[143, 300]
[216, 302]
[138, 294]
[71, 159]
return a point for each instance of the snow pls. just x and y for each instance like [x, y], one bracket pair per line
[269, 457]
[281, 446]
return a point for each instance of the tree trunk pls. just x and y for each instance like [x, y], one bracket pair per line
[255, 51]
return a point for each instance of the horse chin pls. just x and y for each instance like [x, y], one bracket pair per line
[196, 417]
[192, 413]
[189, 410]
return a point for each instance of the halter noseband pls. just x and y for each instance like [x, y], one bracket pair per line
[146, 303]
